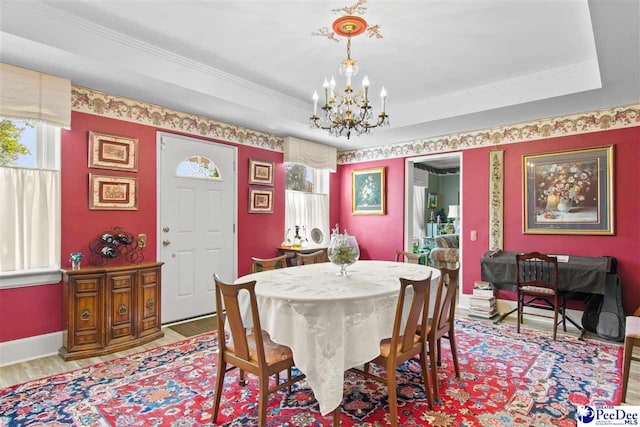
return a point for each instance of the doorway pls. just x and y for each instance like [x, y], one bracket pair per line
[433, 187]
[197, 213]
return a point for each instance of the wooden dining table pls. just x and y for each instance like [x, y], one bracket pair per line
[331, 323]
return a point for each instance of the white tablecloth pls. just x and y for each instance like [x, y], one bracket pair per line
[331, 323]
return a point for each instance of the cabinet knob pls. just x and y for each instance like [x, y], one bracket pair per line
[85, 315]
[150, 304]
[122, 309]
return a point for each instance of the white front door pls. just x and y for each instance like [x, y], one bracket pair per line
[197, 210]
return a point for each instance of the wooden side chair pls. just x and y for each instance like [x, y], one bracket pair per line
[402, 256]
[404, 344]
[537, 281]
[442, 324]
[266, 264]
[312, 258]
[254, 352]
[631, 340]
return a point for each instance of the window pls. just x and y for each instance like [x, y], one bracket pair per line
[199, 167]
[30, 208]
[307, 200]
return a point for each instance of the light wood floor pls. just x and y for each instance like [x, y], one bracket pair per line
[38, 368]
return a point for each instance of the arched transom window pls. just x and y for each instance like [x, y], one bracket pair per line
[199, 167]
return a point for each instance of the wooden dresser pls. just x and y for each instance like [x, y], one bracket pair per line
[108, 309]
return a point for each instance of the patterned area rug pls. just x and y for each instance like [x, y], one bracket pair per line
[507, 379]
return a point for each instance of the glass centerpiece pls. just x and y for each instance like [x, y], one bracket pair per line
[343, 250]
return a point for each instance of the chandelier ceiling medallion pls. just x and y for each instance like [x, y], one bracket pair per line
[351, 110]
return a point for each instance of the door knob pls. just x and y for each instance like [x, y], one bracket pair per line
[165, 229]
[166, 242]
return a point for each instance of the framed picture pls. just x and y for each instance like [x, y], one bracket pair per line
[113, 152]
[260, 200]
[109, 192]
[569, 192]
[368, 192]
[260, 172]
[432, 200]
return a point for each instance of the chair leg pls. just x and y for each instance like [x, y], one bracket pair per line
[241, 380]
[626, 365]
[519, 316]
[336, 417]
[222, 369]
[439, 347]
[393, 398]
[454, 351]
[288, 379]
[434, 373]
[555, 318]
[426, 378]
[564, 312]
[263, 400]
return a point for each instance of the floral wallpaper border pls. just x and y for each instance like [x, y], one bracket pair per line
[592, 121]
[103, 104]
[496, 199]
[90, 101]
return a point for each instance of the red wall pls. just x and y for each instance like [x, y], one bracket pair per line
[378, 235]
[625, 245]
[37, 310]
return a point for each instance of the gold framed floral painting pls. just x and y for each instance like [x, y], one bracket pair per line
[368, 192]
[569, 192]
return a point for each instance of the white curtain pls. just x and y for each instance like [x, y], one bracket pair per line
[418, 211]
[30, 219]
[308, 209]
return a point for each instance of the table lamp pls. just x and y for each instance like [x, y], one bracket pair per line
[454, 212]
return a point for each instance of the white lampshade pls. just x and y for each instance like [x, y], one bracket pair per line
[454, 211]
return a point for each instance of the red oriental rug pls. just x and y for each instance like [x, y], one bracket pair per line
[507, 379]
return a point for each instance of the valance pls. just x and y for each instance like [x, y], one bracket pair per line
[27, 94]
[317, 156]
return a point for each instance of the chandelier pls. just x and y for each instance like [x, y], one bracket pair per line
[349, 111]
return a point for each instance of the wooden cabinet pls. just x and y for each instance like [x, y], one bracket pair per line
[109, 309]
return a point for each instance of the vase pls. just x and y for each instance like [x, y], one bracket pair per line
[552, 202]
[564, 205]
[343, 251]
[75, 265]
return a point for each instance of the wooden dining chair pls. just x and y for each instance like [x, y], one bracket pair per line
[402, 256]
[404, 344]
[537, 287]
[631, 340]
[266, 264]
[442, 324]
[312, 258]
[254, 352]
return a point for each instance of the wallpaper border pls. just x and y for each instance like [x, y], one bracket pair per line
[91, 101]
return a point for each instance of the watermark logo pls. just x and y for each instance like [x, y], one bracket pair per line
[592, 416]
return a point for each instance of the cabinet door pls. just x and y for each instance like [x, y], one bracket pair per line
[85, 330]
[120, 306]
[149, 301]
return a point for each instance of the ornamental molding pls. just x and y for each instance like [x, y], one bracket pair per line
[496, 200]
[593, 121]
[90, 101]
[98, 103]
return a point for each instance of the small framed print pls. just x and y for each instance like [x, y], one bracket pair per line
[113, 152]
[260, 172]
[260, 200]
[108, 192]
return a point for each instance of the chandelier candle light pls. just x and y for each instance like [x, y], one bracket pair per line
[350, 111]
